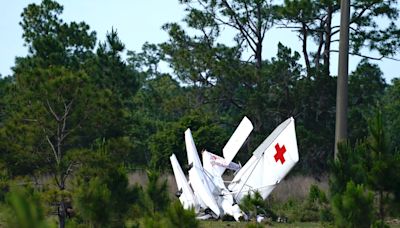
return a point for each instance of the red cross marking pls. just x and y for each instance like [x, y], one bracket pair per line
[279, 153]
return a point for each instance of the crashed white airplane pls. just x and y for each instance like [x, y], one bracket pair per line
[207, 192]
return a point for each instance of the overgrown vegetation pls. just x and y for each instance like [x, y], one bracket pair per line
[76, 116]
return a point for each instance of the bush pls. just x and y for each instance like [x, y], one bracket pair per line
[254, 204]
[157, 191]
[314, 209]
[153, 221]
[93, 200]
[179, 217]
[317, 201]
[25, 210]
[353, 208]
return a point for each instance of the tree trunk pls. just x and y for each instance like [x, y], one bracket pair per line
[259, 38]
[381, 209]
[61, 208]
[259, 56]
[61, 214]
[328, 31]
[306, 58]
[317, 57]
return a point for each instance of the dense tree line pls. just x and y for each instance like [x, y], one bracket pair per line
[83, 115]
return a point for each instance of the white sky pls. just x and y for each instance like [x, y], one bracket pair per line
[136, 21]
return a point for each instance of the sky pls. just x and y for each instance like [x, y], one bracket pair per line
[137, 22]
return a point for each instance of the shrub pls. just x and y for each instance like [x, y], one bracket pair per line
[25, 210]
[179, 217]
[353, 208]
[254, 204]
[317, 201]
[92, 201]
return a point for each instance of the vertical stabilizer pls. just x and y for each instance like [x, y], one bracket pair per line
[270, 162]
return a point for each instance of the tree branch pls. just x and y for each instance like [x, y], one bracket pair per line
[370, 57]
[53, 149]
[52, 111]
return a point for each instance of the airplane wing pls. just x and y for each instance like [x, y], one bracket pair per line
[270, 163]
[193, 156]
[237, 139]
[202, 185]
[186, 196]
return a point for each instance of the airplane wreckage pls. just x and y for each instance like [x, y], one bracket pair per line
[210, 195]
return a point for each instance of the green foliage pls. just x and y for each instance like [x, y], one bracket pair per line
[318, 201]
[383, 163]
[101, 186]
[157, 190]
[254, 225]
[206, 131]
[371, 164]
[25, 209]
[253, 205]
[57, 108]
[315, 208]
[293, 210]
[177, 216]
[52, 41]
[108, 70]
[348, 166]
[366, 89]
[93, 202]
[391, 111]
[72, 110]
[4, 182]
[353, 208]
[154, 221]
[316, 21]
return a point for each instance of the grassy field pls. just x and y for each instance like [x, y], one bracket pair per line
[205, 224]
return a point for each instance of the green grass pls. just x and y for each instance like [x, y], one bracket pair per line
[209, 223]
[205, 224]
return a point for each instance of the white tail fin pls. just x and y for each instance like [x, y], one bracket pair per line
[270, 162]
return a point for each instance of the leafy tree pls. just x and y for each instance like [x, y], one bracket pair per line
[58, 107]
[93, 201]
[148, 60]
[383, 173]
[51, 41]
[5, 87]
[348, 166]
[391, 110]
[102, 193]
[221, 81]
[207, 134]
[366, 88]
[53, 109]
[370, 164]
[109, 71]
[249, 19]
[313, 20]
